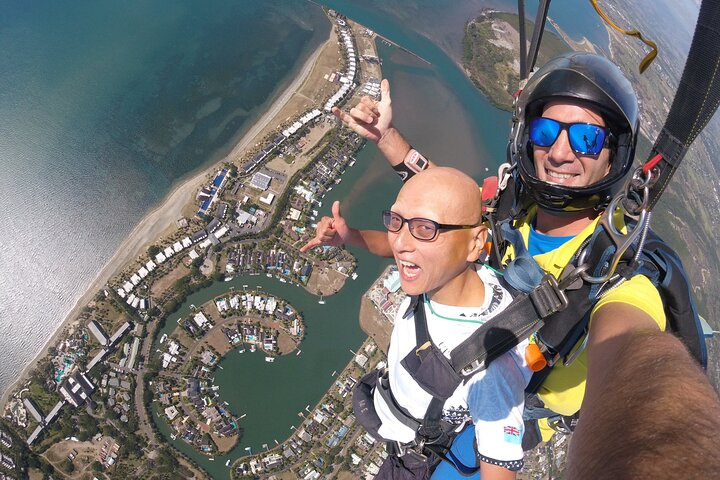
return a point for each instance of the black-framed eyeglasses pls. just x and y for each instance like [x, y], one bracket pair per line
[421, 228]
[584, 138]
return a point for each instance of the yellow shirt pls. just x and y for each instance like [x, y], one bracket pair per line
[564, 388]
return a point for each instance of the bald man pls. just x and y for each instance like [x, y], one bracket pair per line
[436, 236]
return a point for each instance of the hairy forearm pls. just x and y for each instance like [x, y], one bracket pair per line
[374, 241]
[654, 404]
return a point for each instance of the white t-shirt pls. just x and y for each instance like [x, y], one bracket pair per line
[493, 398]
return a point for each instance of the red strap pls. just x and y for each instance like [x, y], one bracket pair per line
[651, 163]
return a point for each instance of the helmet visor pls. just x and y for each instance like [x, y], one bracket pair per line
[584, 138]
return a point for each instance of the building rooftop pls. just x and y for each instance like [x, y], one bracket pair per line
[260, 181]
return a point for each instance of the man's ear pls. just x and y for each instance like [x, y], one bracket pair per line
[480, 235]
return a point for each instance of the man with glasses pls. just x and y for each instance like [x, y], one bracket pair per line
[435, 234]
[573, 142]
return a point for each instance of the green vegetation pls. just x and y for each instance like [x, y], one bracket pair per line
[44, 399]
[490, 54]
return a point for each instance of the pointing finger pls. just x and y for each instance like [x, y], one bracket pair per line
[312, 243]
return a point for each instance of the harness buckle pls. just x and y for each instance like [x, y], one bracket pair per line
[547, 297]
[413, 448]
[622, 241]
[475, 366]
[504, 175]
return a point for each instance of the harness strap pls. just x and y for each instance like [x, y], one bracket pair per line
[696, 100]
[383, 388]
[430, 428]
[496, 336]
[433, 435]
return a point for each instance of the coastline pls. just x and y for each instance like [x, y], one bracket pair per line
[155, 222]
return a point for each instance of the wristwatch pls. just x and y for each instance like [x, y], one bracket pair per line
[415, 161]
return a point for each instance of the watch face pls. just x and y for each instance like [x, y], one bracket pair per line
[420, 163]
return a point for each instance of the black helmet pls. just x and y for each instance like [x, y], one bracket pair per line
[599, 83]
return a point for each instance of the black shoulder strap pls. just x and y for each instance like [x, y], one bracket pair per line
[435, 438]
[430, 428]
[517, 322]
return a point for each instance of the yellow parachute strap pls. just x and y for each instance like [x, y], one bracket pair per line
[633, 33]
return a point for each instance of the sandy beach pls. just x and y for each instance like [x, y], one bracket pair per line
[163, 216]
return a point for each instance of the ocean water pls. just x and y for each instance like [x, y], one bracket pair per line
[103, 106]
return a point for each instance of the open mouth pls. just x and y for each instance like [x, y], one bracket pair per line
[408, 270]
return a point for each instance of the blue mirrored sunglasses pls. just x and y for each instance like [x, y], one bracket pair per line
[584, 138]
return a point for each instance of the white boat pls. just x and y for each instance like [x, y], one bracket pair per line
[212, 459]
[163, 338]
[252, 348]
[242, 350]
[173, 436]
[245, 286]
[321, 301]
[243, 415]
[298, 353]
[352, 162]
[269, 359]
[354, 276]
[268, 275]
[227, 279]
[283, 280]
[227, 464]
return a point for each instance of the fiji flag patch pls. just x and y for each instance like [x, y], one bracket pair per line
[512, 434]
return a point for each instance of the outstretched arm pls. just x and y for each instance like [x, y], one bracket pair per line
[372, 119]
[653, 415]
[335, 231]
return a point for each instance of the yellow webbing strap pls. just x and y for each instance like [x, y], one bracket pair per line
[633, 33]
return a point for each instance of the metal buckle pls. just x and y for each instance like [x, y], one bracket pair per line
[504, 175]
[547, 297]
[560, 425]
[621, 240]
[574, 355]
[475, 366]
